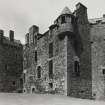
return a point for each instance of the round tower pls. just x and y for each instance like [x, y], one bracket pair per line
[65, 22]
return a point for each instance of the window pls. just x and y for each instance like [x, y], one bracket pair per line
[14, 83]
[24, 77]
[16, 56]
[51, 85]
[63, 20]
[50, 50]
[51, 69]
[104, 71]
[35, 56]
[6, 67]
[76, 68]
[39, 72]
[21, 82]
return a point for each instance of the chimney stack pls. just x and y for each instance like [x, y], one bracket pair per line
[11, 35]
[1, 36]
[27, 39]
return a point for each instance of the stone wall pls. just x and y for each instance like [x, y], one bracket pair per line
[59, 62]
[98, 60]
[80, 85]
[10, 67]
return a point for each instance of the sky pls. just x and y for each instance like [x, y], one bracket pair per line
[20, 15]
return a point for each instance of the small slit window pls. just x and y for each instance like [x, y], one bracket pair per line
[51, 69]
[77, 68]
[39, 72]
[104, 71]
[63, 20]
[35, 56]
[50, 50]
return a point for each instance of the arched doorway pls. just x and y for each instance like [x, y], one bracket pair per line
[33, 90]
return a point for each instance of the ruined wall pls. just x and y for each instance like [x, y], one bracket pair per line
[59, 62]
[29, 68]
[60, 65]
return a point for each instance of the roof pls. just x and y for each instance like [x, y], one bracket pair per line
[66, 10]
[97, 20]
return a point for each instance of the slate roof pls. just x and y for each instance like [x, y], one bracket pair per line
[97, 20]
[66, 10]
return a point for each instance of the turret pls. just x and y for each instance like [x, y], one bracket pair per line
[65, 22]
[33, 32]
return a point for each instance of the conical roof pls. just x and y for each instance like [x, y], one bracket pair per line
[66, 10]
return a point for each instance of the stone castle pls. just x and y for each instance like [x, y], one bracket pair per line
[11, 63]
[69, 58]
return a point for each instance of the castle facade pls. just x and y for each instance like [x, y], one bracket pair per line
[69, 58]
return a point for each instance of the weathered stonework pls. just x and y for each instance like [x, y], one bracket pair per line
[67, 59]
[98, 60]
[11, 64]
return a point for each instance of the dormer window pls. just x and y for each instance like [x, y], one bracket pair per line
[63, 20]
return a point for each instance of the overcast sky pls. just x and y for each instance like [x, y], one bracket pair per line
[19, 15]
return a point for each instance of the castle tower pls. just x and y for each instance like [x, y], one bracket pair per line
[65, 22]
[80, 79]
